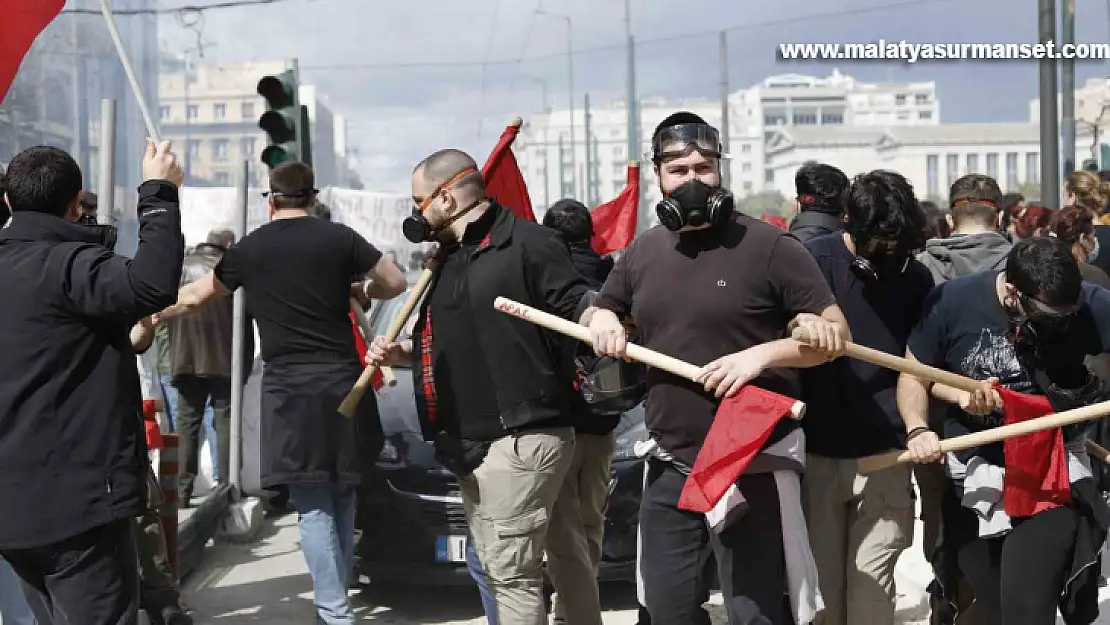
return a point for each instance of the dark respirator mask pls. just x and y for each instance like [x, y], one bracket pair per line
[693, 203]
[877, 259]
[107, 235]
[417, 228]
[1037, 327]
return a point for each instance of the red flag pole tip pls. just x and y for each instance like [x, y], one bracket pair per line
[798, 410]
[635, 164]
[517, 122]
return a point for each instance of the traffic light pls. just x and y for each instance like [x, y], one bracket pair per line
[282, 120]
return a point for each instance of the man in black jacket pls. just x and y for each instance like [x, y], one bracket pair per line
[493, 391]
[72, 447]
[578, 519]
[820, 199]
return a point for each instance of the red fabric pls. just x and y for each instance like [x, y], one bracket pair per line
[21, 21]
[503, 179]
[774, 220]
[1036, 464]
[615, 221]
[376, 381]
[742, 425]
[150, 421]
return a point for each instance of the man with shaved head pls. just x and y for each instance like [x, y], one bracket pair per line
[494, 392]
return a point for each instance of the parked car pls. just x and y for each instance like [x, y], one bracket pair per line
[413, 528]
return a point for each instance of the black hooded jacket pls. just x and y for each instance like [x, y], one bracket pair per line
[810, 224]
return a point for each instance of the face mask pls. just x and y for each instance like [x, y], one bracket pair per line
[874, 262]
[417, 228]
[694, 203]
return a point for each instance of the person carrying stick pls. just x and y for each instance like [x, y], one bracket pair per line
[1025, 545]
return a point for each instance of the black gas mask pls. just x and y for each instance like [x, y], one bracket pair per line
[694, 203]
[417, 228]
[877, 259]
[106, 234]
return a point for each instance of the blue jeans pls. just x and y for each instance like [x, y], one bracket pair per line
[165, 381]
[213, 440]
[13, 603]
[478, 573]
[327, 524]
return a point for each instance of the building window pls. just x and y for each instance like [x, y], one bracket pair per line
[194, 148]
[805, 119]
[832, 119]
[222, 178]
[618, 151]
[219, 149]
[219, 111]
[194, 112]
[992, 166]
[972, 163]
[774, 120]
[248, 146]
[618, 170]
[921, 98]
[952, 164]
[769, 176]
[747, 186]
[1033, 167]
[248, 110]
[903, 115]
[1012, 171]
[164, 113]
[615, 132]
[746, 148]
[746, 167]
[900, 99]
[925, 115]
[932, 175]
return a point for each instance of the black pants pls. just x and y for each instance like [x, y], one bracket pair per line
[194, 394]
[677, 543]
[1018, 578]
[89, 579]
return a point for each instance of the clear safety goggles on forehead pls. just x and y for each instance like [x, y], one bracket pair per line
[1036, 308]
[679, 140]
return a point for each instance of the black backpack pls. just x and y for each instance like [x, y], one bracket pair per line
[610, 386]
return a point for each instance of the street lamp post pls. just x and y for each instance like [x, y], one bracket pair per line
[570, 87]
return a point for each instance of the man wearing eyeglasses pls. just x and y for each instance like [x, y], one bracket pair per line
[494, 392]
[1028, 328]
[296, 272]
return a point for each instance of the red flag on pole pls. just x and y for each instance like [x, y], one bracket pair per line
[743, 424]
[376, 381]
[21, 21]
[502, 175]
[615, 221]
[1036, 476]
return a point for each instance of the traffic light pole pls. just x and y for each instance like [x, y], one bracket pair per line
[295, 66]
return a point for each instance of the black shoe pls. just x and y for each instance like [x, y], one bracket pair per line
[174, 615]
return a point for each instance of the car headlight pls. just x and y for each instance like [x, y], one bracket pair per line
[389, 454]
[628, 433]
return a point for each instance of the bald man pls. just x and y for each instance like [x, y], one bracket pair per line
[493, 392]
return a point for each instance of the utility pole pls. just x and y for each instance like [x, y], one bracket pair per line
[726, 165]
[187, 169]
[588, 197]
[1067, 112]
[1050, 128]
[633, 107]
[562, 169]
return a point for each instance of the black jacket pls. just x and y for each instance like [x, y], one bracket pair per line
[812, 224]
[72, 444]
[594, 267]
[528, 263]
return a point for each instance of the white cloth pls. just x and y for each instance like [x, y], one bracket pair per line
[801, 569]
[983, 487]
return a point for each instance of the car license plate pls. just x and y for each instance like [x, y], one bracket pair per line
[451, 549]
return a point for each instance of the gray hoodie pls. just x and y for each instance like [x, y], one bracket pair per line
[960, 255]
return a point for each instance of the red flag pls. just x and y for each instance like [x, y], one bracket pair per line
[742, 425]
[774, 220]
[1036, 464]
[502, 175]
[376, 381]
[615, 221]
[21, 21]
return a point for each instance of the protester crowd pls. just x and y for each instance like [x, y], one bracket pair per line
[1006, 292]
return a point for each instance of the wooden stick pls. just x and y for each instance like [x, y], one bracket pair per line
[1098, 451]
[993, 435]
[368, 335]
[350, 403]
[635, 352]
[897, 363]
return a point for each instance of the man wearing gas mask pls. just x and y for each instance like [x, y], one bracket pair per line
[861, 523]
[711, 286]
[494, 392]
[1028, 328]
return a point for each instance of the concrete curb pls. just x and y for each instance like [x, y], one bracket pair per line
[193, 533]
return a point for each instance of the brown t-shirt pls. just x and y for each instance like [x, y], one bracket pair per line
[701, 295]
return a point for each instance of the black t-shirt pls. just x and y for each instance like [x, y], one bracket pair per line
[297, 274]
[701, 295]
[466, 396]
[964, 329]
[851, 410]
